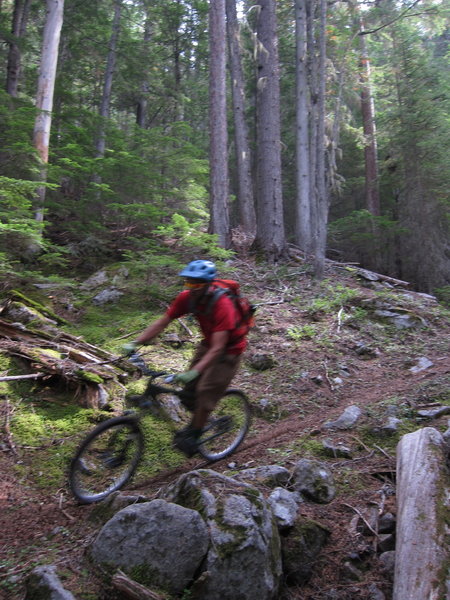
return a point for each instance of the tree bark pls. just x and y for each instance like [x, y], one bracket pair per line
[142, 103]
[322, 196]
[245, 197]
[368, 117]
[313, 74]
[421, 567]
[303, 213]
[44, 97]
[270, 218]
[19, 24]
[218, 160]
[100, 144]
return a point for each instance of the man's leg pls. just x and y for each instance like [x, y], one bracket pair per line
[209, 388]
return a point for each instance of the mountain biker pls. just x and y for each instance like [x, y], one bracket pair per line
[217, 357]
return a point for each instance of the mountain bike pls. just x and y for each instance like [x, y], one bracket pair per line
[110, 454]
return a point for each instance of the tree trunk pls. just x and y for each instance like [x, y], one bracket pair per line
[271, 234]
[19, 24]
[100, 144]
[312, 64]
[44, 97]
[218, 159]
[368, 117]
[142, 103]
[303, 213]
[421, 563]
[246, 204]
[322, 197]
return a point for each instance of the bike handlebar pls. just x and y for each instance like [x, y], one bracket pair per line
[137, 360]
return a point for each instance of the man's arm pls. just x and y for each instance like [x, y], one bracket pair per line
[219, 340]
[154, 329]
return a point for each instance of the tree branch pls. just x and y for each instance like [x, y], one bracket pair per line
[15, 377]
[397, 18]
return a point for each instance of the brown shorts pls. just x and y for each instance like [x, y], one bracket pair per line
[215, 379]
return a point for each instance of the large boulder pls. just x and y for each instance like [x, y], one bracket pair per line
[313, 480]
[43, 584]
[155, 543]
[301, 550]
[244, 556]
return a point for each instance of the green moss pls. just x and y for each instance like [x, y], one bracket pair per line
[37, 353]
[148, 577]
[140, 573]
[443, 519]
[239, 533]
[301, 549]
[40, 308]
[254, 496]
[159, 453]
[192, 498]
[7, 367]
[348, 481]
[89, 376]
[306, 446]
[46, 436]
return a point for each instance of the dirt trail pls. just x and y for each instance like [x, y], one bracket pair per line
[38, 528]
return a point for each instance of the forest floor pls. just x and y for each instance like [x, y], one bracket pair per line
[319, 371]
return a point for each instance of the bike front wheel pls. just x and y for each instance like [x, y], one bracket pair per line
[227, 426]
[106, 459]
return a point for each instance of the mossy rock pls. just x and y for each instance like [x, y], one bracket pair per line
[300, 550]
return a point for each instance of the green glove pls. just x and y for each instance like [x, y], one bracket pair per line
[186, 377]
[130, 348]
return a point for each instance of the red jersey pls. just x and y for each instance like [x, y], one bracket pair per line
[223, 317]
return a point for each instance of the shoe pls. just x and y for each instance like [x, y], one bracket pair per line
[186, 441]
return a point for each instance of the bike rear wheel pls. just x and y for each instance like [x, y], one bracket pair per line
[106, 459]
[227, 426]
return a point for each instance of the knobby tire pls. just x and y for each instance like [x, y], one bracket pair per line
[227, 426]
[106, 459]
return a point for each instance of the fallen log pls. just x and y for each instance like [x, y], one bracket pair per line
[94, 375]
[131, 589]
[372, 276]
[421, 554]
[297, 254]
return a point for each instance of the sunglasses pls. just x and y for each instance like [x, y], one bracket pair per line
[194, 285]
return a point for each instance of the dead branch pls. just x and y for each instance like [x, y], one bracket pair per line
[373, 276]
[132, 589]
[325, 366]
[362, 443]
[16, 377]
[185, 327]
[359, 513]
[93, 374]
[282, 301]
[299, 256]
[383, 452]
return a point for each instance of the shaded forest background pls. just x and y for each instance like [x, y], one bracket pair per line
[144, 148]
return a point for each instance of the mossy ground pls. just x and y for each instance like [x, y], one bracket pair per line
[312, 333]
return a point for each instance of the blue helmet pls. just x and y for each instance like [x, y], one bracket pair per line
[200, 269]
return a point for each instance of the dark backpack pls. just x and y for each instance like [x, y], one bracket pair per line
[244, 309]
